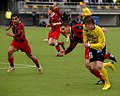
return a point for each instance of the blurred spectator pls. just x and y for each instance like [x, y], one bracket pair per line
[100, 1]
[43, 24]
[85, 10]
[77, 20]
[66, 17]
[8, 14]
[34, 15]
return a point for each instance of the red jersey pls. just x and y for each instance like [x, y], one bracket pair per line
[54, 18]
[76, 36]
[19, 41]
[57, 11]
[18, 30]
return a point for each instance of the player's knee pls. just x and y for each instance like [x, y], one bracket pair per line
[99, 66]
[87, 64]
[10, 51]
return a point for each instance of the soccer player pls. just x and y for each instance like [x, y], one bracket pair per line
[19, 42]
[76, 36]
[58, 12]
[54, 33]
[93, 37]
[85, 10]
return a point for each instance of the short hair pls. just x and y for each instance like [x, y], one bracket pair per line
[52, 8]
[15, 15]
[88, 20]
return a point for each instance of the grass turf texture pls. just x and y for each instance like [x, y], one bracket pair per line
[63, 76]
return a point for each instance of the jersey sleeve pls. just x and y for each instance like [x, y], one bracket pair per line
[71, 46]
[84, 35]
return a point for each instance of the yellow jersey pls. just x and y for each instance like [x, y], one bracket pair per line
[8, 15]
[95, 37]
[86, 12]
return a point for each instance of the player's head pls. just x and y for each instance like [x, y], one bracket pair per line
[65, 28]
[83, 4]
[54, 4]
[89, 23]
[15, 18]
[50, 9]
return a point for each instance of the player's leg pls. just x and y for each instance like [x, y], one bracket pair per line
[109, 64]
[11, 50]
[88, 66]
[100, 55]
[35, 60]
[96, 73]
[53, 42]
[110, 56]
[62, 45]
[104, 75]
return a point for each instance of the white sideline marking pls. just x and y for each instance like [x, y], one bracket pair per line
[22, 65]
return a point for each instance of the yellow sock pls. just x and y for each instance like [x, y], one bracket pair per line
[109, 64]
[104, 75]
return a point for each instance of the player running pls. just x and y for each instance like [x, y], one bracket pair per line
[54, 33]
[19, 42]
[76, 36]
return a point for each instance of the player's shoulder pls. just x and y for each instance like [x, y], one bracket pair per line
[21, 24]
[97, 27]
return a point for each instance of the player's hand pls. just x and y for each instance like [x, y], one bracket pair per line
[7, 28]
[61, 53]
[104, 29]
[10, 34]
[48, 25]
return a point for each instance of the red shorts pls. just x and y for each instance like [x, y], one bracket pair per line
[87, 49]
[55, 34]
[23, 46]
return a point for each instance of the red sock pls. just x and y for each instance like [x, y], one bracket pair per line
[10, 60]
[96, 73]
[107, 54]
[57, 47]
[36, 63]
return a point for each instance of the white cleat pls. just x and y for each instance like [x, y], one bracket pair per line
[10, 69]
[40, 70]
[45, 40]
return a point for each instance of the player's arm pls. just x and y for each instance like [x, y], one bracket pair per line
[104, 29]
[72, 45]
[58, 21]
[48, 25]
[84, 37]
[10, 24]
[69, 49]
[85, 40]
[7, 28]
[10, 34]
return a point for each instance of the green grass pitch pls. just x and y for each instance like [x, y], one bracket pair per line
[63, 76]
